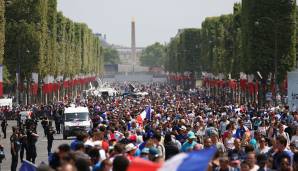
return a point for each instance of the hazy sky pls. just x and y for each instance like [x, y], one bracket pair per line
[156, 20]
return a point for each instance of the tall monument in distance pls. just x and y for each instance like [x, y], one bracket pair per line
[133, 44]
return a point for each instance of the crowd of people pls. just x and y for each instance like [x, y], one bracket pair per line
[247, 137]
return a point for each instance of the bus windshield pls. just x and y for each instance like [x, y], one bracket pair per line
[76, 116]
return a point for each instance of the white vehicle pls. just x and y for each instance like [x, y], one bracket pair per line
[104, 89]
[6, 102]
[25, 115]
[108, 90]
[142, 94]
[76, 119]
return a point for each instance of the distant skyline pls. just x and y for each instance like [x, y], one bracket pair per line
[156, 20]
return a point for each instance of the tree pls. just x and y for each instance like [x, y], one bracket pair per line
[111, 56]
[40, 39]
[171, 62]
[2, 30]
[153, 55]
[269, 35]
[237, 66]
[190, 49]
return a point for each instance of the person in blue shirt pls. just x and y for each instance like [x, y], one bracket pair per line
[282, 152]
[181, 134]
[95, 159]
[190, 143]
[240, 131]
[81, 137]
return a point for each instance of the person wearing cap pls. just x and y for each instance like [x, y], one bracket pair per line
[281, 131]
[210, 128]
[154, 154]
[145, 153]
[130, 150]
[235, 161]
[181, 136]
[190, 143]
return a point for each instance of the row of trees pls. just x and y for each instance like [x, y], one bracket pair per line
[40, 39]
[257, 34]
[153, 55]
[110, 55]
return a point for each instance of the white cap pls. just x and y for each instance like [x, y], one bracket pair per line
[129, 147]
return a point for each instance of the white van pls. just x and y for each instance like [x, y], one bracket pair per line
[25, 115]
[76, 119]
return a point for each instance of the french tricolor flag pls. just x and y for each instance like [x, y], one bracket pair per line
[1, 80]
[34, 86]
[146, 114]
[193, 161]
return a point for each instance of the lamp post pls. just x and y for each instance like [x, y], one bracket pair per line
[26, 91]
[40, 89]
[274, 24]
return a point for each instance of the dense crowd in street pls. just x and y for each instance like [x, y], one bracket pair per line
[247, 137]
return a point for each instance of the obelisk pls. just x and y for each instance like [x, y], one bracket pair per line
[133, 44]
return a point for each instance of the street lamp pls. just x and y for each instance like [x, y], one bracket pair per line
[26, 91]
[40, 89]
[274, 24]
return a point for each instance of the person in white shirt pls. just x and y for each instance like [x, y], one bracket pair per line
[262, 146]
[294, 138]
[251, 160]
[229, 141]
[281, 131]
[223, 125]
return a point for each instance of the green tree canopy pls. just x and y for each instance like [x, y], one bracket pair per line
[40, 39]
[269, 34]
[240, 42]
[153, 55]
[111, 56]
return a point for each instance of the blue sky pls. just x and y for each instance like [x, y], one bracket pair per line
[156, 20]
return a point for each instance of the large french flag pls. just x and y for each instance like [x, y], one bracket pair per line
[1, 80]
[146, 114]
[194, 161]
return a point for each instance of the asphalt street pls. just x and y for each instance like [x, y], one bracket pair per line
[42, 154]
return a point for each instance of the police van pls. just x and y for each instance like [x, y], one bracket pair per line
[75, 119]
